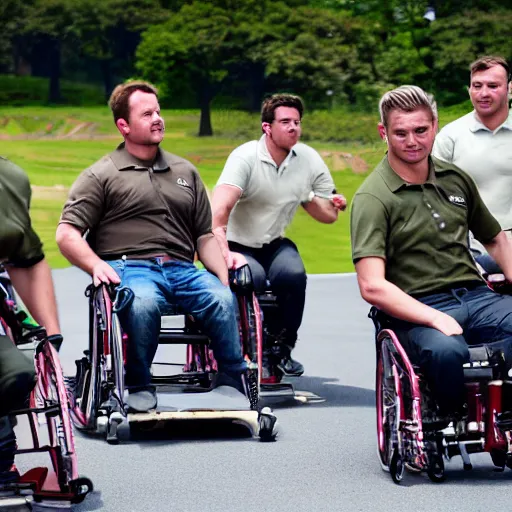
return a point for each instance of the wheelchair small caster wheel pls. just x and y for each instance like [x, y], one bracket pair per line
[396, 467]
[114, 422]
[80, 487]
[467, 467]
[267, 423]
[436, 469]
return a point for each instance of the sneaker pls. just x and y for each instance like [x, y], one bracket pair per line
[245, 382]
[9, 477]
[288, 365]
[143, 400]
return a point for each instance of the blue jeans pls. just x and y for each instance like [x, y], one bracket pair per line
[158, 285]
[485, 317]
[279, 261]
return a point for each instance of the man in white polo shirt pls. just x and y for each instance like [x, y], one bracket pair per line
[480, 143]
[263, 183]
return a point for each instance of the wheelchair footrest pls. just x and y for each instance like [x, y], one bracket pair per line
[171, 336]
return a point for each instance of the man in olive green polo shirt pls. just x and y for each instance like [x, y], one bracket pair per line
[22, 254]
[147, 212]
[409, 227]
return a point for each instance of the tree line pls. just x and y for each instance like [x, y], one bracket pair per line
[332, 52]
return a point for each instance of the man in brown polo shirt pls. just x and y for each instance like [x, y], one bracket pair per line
[147, 213]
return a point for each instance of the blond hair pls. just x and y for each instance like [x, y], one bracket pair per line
[406, 98]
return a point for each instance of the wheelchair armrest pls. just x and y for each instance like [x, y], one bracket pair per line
[240, 280]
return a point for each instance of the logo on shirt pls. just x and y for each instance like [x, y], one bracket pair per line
[182, 182]
[458, 200]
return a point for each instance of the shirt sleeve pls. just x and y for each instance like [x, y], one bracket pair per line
[85, 203]
[368, 227]
[236, 172]
[30, 251]
[480, 220]
[443, 147]
[202, 211]
[322, 182]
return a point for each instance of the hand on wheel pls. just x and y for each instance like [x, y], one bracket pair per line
[236, 260]
[104, 273]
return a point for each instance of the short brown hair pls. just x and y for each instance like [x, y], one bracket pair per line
[488, 61]
[270, 104]
[119, 101]
[406, 98]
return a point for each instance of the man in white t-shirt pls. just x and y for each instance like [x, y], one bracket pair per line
[263, 183]
[480, 142]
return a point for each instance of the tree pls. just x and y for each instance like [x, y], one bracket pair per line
[49, 25]
[109, 31]
[458, 40]
[188, 51]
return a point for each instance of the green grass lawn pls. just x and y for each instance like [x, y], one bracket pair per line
[36, 139]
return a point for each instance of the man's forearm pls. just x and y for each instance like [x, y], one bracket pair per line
[35, 288]
[220, 236]
[75, 249]
[396, 303]
[210, 255]
[322, 210]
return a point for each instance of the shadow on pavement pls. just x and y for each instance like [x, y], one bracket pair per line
[334, 394]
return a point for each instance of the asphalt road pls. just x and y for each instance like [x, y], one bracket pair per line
[325, 458]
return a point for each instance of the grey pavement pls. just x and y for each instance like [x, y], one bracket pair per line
[325, 458]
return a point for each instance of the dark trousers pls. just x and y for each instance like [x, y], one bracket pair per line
[280, 263]
[485, 317]
[17, 378]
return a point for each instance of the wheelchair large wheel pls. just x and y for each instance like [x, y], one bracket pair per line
[50, 394]
[388, 410]
[86, 386]
[252, 344]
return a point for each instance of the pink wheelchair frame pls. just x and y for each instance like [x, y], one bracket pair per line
[48, 418]
[409, 433]
[97, 391]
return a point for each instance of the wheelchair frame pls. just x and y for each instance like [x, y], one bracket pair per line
[98, 388]
[47, 416]
[405, 436]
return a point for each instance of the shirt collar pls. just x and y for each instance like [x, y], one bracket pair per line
[264, 154]
[476, 125]
[394, 181]
[124, 160]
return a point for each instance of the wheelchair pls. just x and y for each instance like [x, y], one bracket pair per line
[98, 390]
[410, 432]
[44, 425]
[259, 321]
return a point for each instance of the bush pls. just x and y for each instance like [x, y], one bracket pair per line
[29, 90]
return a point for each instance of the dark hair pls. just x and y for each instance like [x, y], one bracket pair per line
[119, 101]
[488, 61]
[269, 105]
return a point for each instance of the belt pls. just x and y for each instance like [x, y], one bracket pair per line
[159, 258]
[469, 285]
[163, 258]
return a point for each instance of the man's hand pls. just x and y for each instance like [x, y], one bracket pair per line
[102, 272]
[235, 260]
[446, 324]
[339, 202]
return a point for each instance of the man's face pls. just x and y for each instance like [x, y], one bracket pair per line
[410, 135]
[285, 129]
[145, 126]
[489, 91]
